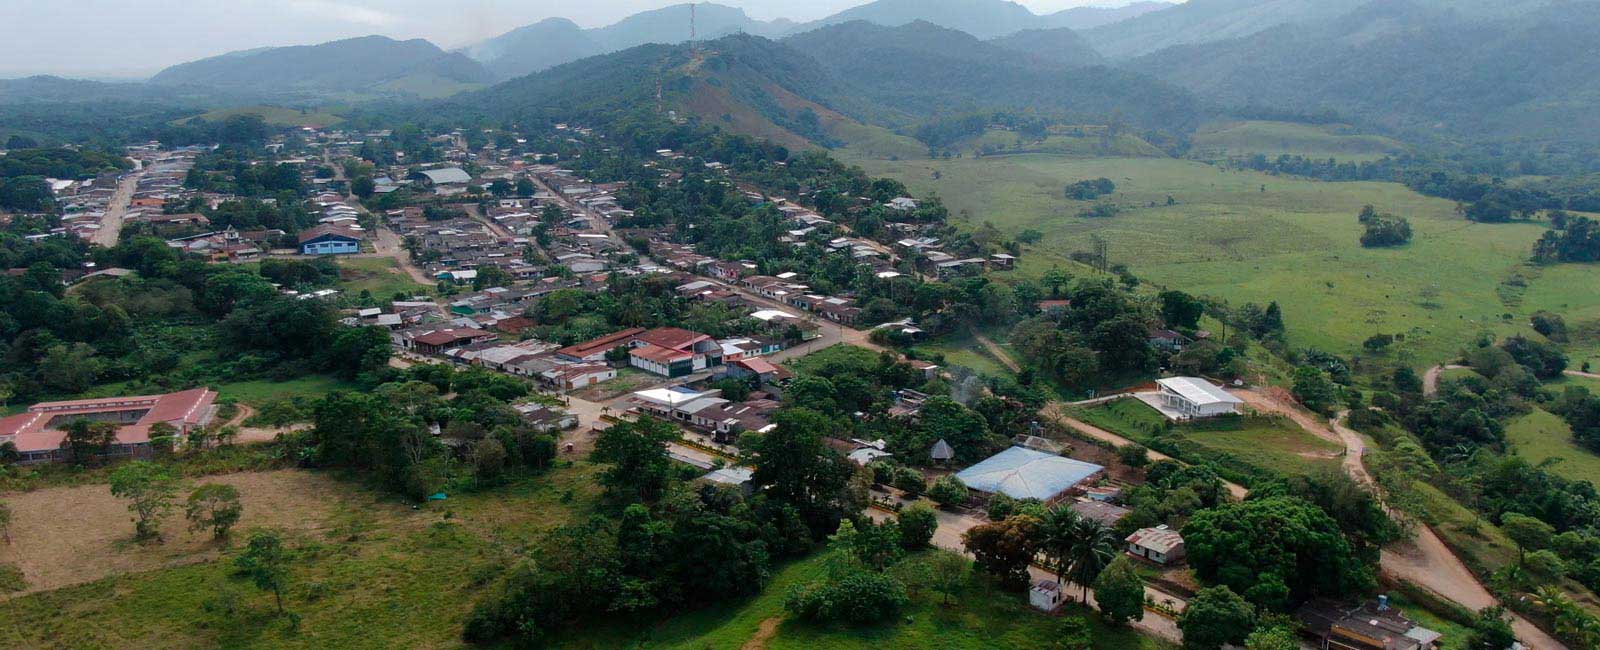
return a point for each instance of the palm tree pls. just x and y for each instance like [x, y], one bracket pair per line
[1056, 540]
[1093, 547]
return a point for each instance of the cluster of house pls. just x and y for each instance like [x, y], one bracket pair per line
[457, 248]
[40, 432]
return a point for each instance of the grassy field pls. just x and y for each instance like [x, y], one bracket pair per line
[1251, 237]
[963, 350]
[377, 576]
[1540, 436]
[259, 392]
[277, 115]
[380, 275]
[1270, 445]
[1223, 139]
[984, 618]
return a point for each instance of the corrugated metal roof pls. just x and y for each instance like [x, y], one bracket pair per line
[1027, 474]
[1198, 390]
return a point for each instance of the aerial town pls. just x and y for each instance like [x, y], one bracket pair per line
[910, 327]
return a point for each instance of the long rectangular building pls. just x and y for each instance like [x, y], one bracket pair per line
[40, 433]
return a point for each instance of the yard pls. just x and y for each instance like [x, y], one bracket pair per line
[1267, 444]
[381, 276]
[1252, 237]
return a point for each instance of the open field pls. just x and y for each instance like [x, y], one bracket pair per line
[258, 393]
[1272, 139]
[985, 618]
[1540, 436]
[964, 351]
[55, 551]
[381, 276]
[374, 573]
[1267, 444]
[1251, 237]
[277, 115]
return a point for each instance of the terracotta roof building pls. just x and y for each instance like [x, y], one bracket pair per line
[40, 432]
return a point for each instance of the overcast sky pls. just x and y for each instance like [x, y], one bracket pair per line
[133, 38]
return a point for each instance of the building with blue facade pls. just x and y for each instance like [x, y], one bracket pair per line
[328, 239]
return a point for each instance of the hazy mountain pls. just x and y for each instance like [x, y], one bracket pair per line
[1081, 18]
[534, 47]
[1061, 45]
[556, 41]
[671, 25]
[921, 69]
[1413, 66]
[49, 89]
[1208, 21]
[358, 65]
[980, 18]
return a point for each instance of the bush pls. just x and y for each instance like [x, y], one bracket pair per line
[857, 598]
[948, 491]
[917, 524]
[1001, 507]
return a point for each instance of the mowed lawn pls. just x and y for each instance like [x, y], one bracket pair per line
[263, 391]
[1253, 237]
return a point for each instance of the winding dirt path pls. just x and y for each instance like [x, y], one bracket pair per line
[1424, 561]
[997, 352]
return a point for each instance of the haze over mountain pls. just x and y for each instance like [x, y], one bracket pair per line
[1206, 21]
[554, 42]
[371, 64]
[1412, 65]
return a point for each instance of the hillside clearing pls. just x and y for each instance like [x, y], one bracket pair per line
[277, 116]
[1272, 139]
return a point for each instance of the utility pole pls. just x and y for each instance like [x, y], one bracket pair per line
[693, 46]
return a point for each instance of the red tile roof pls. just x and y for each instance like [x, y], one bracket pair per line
[673, 338]
[30, 431]
[602, 344]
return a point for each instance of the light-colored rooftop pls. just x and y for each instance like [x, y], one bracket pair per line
[1023, 473]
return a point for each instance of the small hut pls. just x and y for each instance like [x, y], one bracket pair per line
[941, 452]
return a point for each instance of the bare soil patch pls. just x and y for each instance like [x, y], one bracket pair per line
[73, 535]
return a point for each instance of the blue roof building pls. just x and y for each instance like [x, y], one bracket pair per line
[1023, 473]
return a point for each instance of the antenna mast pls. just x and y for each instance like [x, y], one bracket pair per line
[693, 46]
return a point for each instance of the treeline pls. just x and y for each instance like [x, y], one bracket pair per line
[234, 170]
[1484, 198]
[146, 329]
[1570, 239]
[23, 187]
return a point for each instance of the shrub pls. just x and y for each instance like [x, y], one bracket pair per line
[856, 598]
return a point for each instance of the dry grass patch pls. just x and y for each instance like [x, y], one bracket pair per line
[72, 535]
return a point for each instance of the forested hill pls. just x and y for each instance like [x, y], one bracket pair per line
[1411, 66]
[922, 69]
[794, 90]
[1207, 21]
[1061, 46]
[366, 64]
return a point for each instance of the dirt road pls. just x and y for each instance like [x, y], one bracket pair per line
[1430, 379]
[111, 224]
[1424, 561]
[997, 352]
[1057, 411]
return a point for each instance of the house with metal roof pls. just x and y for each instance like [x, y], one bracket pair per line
[1023, 473]
[1184, 398]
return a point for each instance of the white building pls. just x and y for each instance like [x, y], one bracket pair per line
[1184, 398]
[1161, 545]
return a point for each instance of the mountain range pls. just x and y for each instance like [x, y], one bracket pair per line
[553, 42]
[370, 64]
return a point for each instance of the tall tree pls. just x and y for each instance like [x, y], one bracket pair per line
[265, 562]
[1216, 616]
[636, 453]
[149, 489]
[215, 506]
[1119, 591]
